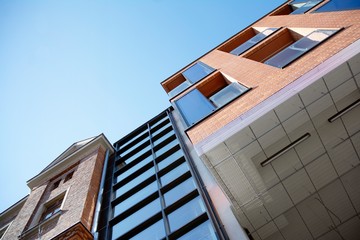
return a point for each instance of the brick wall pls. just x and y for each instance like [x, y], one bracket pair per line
[267, 80]
[79, 204]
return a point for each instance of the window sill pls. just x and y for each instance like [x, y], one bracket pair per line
[36, 227]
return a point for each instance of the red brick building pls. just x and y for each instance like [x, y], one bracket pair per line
[61, 203]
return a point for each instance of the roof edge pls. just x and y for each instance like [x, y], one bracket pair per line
[69, 160]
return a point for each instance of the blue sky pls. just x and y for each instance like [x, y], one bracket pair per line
[73, 69]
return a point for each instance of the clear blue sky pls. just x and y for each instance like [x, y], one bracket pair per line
[73, 69]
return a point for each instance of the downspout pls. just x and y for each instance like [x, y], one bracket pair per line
[94, 229]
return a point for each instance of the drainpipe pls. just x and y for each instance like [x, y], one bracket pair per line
[94, 229]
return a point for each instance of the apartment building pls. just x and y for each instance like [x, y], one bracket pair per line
[273, 113]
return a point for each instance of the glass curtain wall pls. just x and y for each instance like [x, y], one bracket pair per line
[154, 194]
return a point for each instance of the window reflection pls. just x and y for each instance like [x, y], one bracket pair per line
[252, 41]
[186, 213]
[135, 198]
[154, 232]
[173, 174]
[170, 159]
[136, 181]
[133, 169]
[179, 191]
[197, 72]
[138, 154]
[166, 147]
[204, 232]
[136, 218]
[298, 48]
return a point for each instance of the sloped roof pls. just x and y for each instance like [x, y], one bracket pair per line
[73, 148]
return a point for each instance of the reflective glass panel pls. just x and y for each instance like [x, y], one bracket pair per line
[339, 5]
[154, 232]
[136, 181]
[159, 121]
[161, 129]
[135, 198]
[173, 174]
[162, 138]
[170, 159]
[166, 147]
[307, 6]
[227, 94]
[134, 146]
[136, 218]
[179, 89]
[186, 213]
[133, 169]
[252, 41]
[179, 191]
[194, 106]
[137, 154]
[298, 48]
[197, 72]
[204, 232]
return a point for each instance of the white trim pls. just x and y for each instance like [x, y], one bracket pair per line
[69, 161]
[276, 99]
[6, 227]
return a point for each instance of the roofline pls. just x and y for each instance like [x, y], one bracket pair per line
[286, 1]
[13, 206]
[32, 182]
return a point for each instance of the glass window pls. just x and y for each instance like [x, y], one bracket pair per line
[227, 94]
[51, 209]
[179, 89]
[166, 147]
[136, 181]
[162, 138]
[339, 5]
[194, 106]
[306, 6]
[133, 169]
[173, 174]
[136, 218]
[135, 198]
[138, 154]
[131, 139]
[134, 146]
[298, 48]
[204, 232]
[159, 121]
[252, 41]
[197, 72]
[154, 232]
[186, 213]
[179, 191]
[161, 129]
[170, 159]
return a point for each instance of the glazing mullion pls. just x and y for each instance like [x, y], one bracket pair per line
[162, 201]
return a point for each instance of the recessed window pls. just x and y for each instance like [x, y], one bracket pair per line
[339, 5]
[252, 41]
[187, 78]
[69, 176]
[298, 48]
[56, 184]
[297, 7]
[208, 97]
[51, 208]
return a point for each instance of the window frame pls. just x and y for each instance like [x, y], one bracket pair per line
[291, 47]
